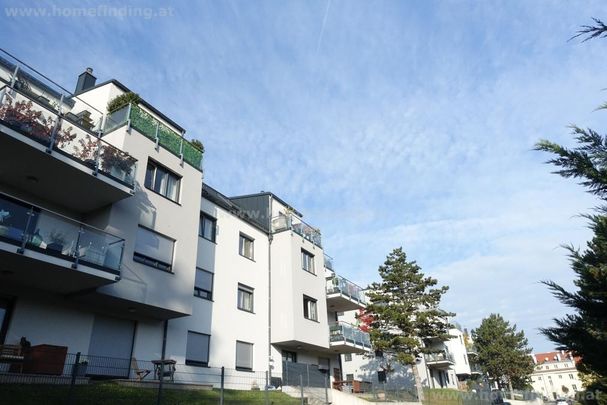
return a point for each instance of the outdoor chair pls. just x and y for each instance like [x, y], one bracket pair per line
[140, 373]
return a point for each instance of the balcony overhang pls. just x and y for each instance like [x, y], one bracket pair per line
[439, 364]
[26, 165]
[346, 346]
[339, 302]
[41, 271]
[300, 345]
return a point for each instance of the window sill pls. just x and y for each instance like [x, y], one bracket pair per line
[313, 320]
[309, 272]
[207, 239]
[246, 310]
[248, 370]
[196, 363]
[163, 196]
[147, 264]
[247, 257]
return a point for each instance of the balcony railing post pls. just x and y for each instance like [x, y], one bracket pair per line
[97, 157]
[56, 127]
[181, 148]
[156, 135]
[24, 235]
[76, 253]
[14, 77]
[128, 119]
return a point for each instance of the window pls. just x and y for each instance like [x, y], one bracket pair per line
[307, 261]
[197, 349]
[244, 356]
[154, 249]
[245, 298]
[162, 181]
[574, 387]
[310, 310]
[539, 378]
[348, 357]
[571, 376]
[203, 286]
[289, 357]
[208, 227]
[245, 246]
[5, 314]
[560, 376]
[349, 377]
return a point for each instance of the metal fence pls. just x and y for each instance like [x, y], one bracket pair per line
[53, 376]
[306, 381]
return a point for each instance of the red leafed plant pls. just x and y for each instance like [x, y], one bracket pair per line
[364, 320]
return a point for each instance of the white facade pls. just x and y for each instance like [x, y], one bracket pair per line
[555, 375]
[224, 273]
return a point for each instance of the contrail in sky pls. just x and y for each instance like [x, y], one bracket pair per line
[324, 22]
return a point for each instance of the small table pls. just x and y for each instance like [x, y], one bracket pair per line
[169, 368]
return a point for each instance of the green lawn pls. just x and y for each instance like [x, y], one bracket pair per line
[113, 394]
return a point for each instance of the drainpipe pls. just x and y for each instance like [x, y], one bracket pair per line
[270, 238]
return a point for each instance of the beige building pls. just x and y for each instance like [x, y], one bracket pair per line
[555, 374]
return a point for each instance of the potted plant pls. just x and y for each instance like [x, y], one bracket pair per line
[57, 242]
[116, 162]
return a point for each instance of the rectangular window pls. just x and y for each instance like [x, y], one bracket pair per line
[574, 387]
[244, 356]
[162, 181]
[245, 247]
[207, 227]
[307, 261]
[197, 349]
[560, 376]
[203, 285]
[154, 249]
[310, 309]
[571, 376]
[289, 357]
[348, 357]
[349, 377]
[245, 298]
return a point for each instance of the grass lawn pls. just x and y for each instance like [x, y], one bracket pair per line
[114, 394]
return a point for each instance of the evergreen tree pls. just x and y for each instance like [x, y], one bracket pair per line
[403, 310]
[503, 352]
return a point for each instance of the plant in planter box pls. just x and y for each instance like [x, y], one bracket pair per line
[123, 100]
[116, 162]
[22, 117]
[87, 149]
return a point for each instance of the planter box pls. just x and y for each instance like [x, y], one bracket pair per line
[45, 359]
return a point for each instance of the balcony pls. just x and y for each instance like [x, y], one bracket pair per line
[295, 224]
[155, 130]
[475, 369]
[344, 295]
[439, 360]
[471, 350]
[48, 251]
[56, 156]
[347, 338]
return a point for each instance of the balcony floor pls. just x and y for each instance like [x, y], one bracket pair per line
[37, 270]
[342, 303]
[343, 347]
[25, 165]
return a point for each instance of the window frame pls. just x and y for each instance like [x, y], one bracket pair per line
[289, 356]
[307, 308]
[152, 187]
[201, 227]
[154, 262]
[242, 245]
[248, 290]
[198, 290]
[198, 363]
[305, 254]
[236, 366]
[347, 357]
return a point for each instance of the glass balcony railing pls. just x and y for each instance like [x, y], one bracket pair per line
[475, 368]
[341, 285]
[286, 222]
[440, 357]
[345, 332]
[44, 124]
[30, 227]
[155, 130]
[328, 262]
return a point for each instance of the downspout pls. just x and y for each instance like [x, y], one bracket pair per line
[270, 238]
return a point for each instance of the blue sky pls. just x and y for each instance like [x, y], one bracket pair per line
[387, 123]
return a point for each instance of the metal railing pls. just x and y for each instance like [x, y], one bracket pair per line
[291, 222]
[30, 227]
[344, 332]
[475, 368]
[328, 262]
[36, 107]
[340, 285]
[440, 357]
[155, 130]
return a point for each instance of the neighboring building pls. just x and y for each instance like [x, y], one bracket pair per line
[111, 245]
[555, 374]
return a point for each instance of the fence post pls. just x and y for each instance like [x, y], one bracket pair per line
[301, 388]
[75, 366]
[267, 393]
[222, 382]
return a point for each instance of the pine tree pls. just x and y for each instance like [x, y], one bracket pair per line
[404, 310]
[503, 352]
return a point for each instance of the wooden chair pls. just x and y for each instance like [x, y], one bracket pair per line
[139, 372]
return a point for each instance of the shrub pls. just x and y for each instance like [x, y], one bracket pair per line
[122, 100]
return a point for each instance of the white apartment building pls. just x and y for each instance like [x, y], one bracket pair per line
[111, 244]
[555, 375]
[452, 364]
